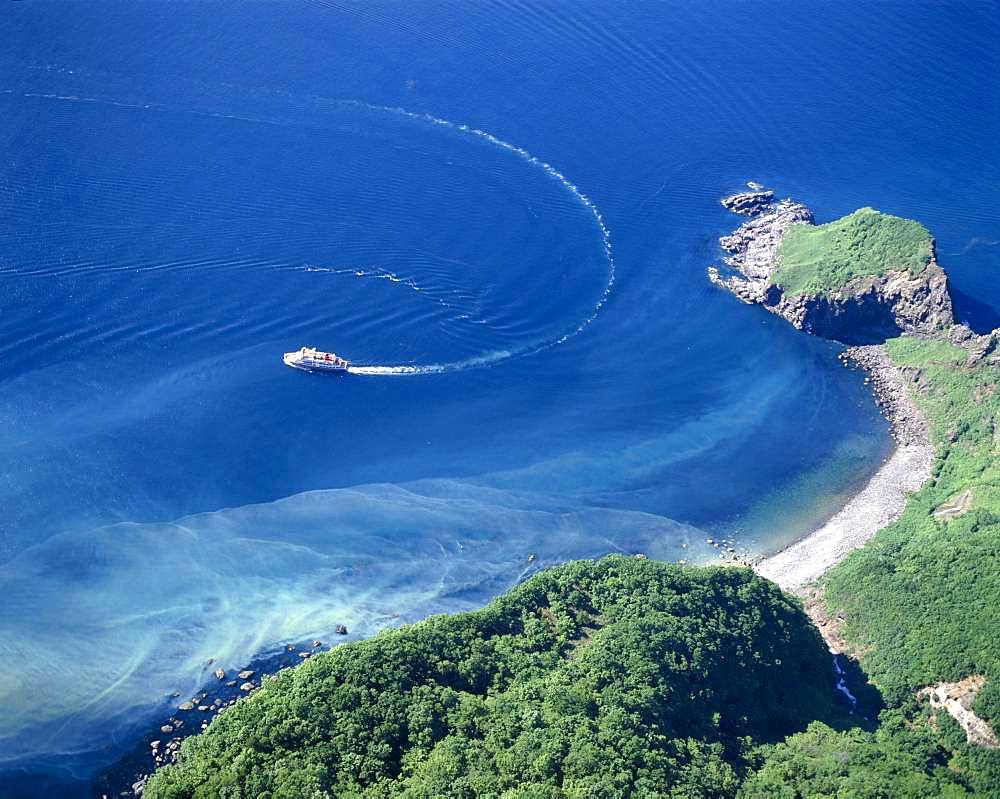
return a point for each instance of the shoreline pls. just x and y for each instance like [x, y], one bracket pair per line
[795, 568]
[881, 501]
[183, 716]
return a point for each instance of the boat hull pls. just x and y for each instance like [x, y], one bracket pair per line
[296, 361]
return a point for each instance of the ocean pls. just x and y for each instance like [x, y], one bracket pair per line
[501, 213]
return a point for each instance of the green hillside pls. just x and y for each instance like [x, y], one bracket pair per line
[920, 604]
[625, 677]
[921, 598]
[819, 259]
[620, 677]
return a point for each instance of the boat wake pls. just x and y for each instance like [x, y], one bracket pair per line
[553, 173]
[434, 368]
[380, 273]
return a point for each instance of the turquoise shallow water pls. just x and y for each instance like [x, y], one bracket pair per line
[188, 191]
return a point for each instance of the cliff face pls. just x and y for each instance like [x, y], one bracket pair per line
[872, 309]
[865, 310]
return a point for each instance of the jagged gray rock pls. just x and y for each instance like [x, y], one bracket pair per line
[752, 248]
[748, 202]
[978, 346]
[871, 309]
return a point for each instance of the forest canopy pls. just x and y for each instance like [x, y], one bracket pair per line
[620, 677]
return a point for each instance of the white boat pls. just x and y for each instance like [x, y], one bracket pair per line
[310, 359]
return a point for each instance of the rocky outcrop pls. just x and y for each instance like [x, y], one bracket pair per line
[753, 244]
[871, 309]
[748, 202]
[981, 347]
[865, 310]
[957, 699]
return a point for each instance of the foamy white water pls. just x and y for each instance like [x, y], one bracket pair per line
[574, 190]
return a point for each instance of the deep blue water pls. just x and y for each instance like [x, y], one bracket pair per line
[188, 190]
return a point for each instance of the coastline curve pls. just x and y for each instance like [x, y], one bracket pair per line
[880, 502]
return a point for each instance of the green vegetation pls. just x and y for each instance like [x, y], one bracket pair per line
[920, 602]
[627, 677]
[614, 678]
[921, 598]
[820, 259]
[900, 761]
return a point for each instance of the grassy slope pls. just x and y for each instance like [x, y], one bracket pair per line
[819, 259]
[619, 677]
[921, 598]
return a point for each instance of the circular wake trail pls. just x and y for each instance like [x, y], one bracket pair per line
[474, 362]
[495, 357]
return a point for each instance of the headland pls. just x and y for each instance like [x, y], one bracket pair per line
[858, 280]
